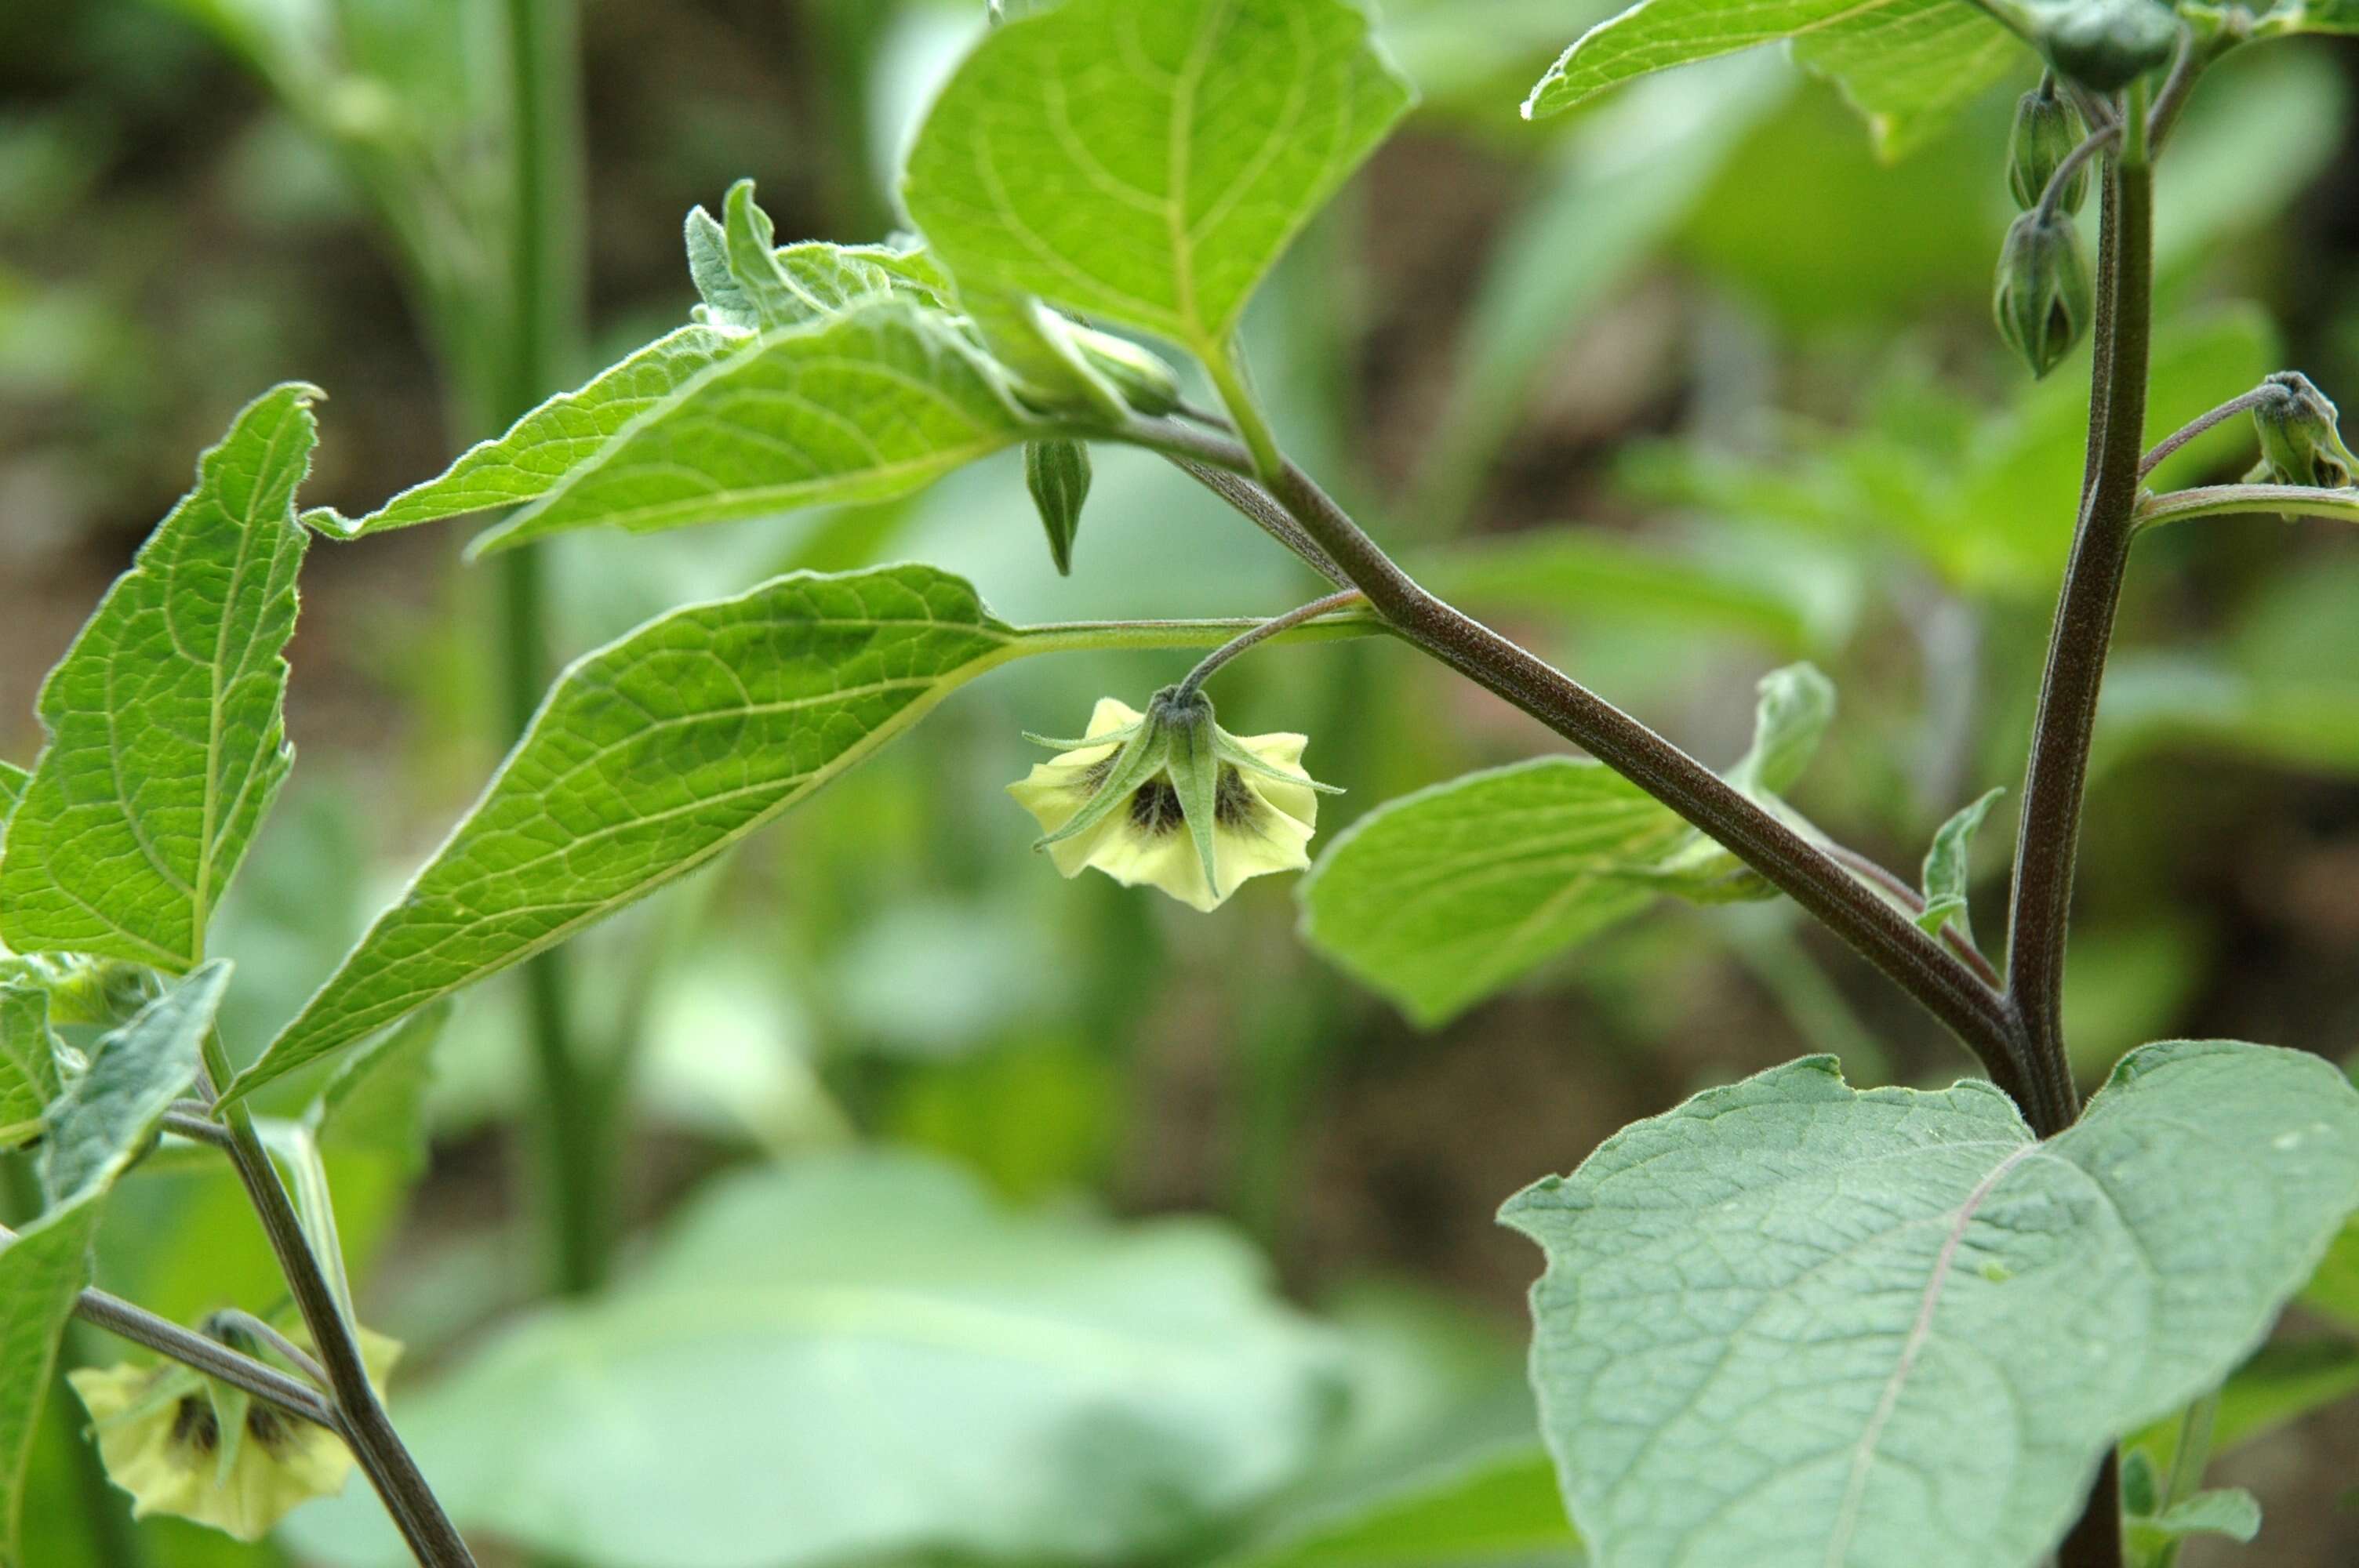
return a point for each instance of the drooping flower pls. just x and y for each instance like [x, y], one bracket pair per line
[1168, 799]
[183, 1445]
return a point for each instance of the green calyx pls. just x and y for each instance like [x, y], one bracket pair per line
[1057, 472]
[2047, 129]
[2301, 437]
[1182, 757]
[2044, 298]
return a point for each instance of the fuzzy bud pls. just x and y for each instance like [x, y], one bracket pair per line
[2047, 129]
[2301, 437]
[1058, 474]
[2108, 44]
[2043, 300]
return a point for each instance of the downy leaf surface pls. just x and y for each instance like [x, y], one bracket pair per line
[1793, 1324]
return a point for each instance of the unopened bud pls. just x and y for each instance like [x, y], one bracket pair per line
[2046, 130]
[2301, 437]
[1145, 382]
[2043, 300]
[1058, 474]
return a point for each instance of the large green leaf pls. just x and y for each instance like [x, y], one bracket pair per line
[1908, 65]
[1147, 164]
[653, 755]
[1791, 1323]
[13, 779]
[97, 1127]
[167, 718]
[1444, 897]
[864, 1358]
[873, 404]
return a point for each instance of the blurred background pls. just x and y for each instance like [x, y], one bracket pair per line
[1685, 388]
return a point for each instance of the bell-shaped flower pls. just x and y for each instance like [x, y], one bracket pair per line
[1169, 799]
[183, 1445]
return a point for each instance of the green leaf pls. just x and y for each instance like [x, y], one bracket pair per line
[750, 283]
[98, 1125]
[1500, 1506]
[864, 406]
[1444, 897]
[28, 1061]
[1947, 869]
[653, 755]
[1772, 1316]
[1792, 709]
[167, 718]
[2229, 1511]
[43, 1271]
[1147, 164]
[97, 1128]
[563, 434]
[13, 779]
[1908, 65]
[863, 1359]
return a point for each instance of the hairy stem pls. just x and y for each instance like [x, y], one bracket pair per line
[367, 1430]
[204, 1354]
[1252, 637]
[2196, 426]
[1862, 916]
[2057, 778]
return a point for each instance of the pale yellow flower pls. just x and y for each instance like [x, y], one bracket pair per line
[159, 1431]
[1262, 806]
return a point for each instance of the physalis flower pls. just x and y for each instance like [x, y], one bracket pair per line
[1168, 799]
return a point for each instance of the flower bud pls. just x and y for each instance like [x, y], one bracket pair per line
[1058, 474]
[2108, 44]
[2044, 300]
[2301, 438]
[1145, 382]
[2047, 129]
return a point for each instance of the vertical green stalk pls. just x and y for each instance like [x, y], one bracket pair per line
[544, 315]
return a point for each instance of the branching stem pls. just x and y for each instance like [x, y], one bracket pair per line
[1936, 976]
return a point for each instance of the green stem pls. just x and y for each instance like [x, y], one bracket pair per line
[544, 326]
[1227, 371]
[2187, 1463]
[1150, 637]
[2230, 499]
